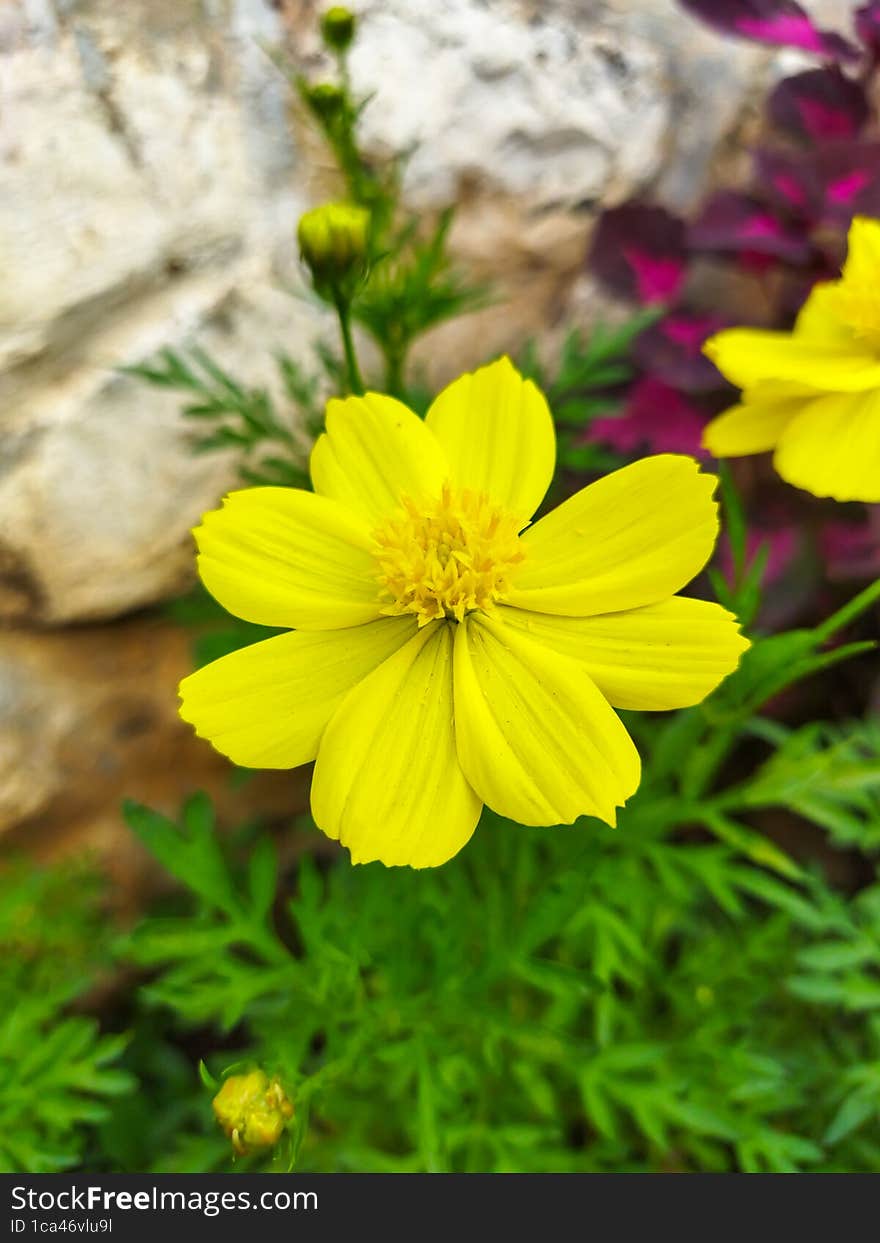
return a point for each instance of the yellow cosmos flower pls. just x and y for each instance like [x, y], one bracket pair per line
[445, 653]
[813, 395]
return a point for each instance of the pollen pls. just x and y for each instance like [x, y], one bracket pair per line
[446, 557]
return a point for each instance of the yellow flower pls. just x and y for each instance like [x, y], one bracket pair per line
[445, 653]
[252, 1110]
[813, 395]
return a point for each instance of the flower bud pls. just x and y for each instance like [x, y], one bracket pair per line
[326, 100]
[333, 241]
[252, 1110]
[338, 27]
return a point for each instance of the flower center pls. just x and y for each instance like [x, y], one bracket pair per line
[858, 305]
[446, 557]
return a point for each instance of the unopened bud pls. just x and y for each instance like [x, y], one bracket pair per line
[325, 99]
[252, 1110]
[338, 27]
[333, 241]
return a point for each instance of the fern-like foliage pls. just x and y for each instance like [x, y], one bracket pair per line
[584, 999]
[412, 288]
[586, 381]
[58, 1072]
[828, 774]
[273, 445]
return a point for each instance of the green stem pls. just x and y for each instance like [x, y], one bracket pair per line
[716, 748]
[394, 361]
[343, 310]
[849, 612]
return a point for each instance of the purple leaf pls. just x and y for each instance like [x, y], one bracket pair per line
[852, 549]
[819, 104]
[736, 222]
[827, 186]
[655, 417]
[849, 174]
[792, 180]
[638, 251]
[868, 27]
[672, 351]
[781, 23]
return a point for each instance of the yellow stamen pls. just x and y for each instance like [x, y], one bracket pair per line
[446, 557]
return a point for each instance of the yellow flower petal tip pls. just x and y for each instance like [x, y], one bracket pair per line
[496, 431]
[441, 653]
[812, 395]
[710, 346]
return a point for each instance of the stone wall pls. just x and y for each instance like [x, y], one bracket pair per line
[152, 169]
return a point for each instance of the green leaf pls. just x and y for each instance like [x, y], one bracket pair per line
[190, 853]
[207, 1078]
[755, 846]
[853, 1113]
[262, 877]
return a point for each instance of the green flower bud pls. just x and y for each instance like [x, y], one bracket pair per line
[252, 1110]
[333, 241]
[326, 100]
[338, 27]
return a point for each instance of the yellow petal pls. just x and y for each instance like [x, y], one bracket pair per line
[536, 739]
[283, 557]
[667, 655]
[863, 252]
[833, 447]
[633, 538]
[746, 356]
[819, 318]
[388, 784]
[498, 435]
[756, 424]
[374, 451]
[266, 706]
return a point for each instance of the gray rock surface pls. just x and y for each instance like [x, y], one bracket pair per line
[150, 182]
[148, 195]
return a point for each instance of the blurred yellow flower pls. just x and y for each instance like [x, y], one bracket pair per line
[813, 395]
[445, 653]
[252, 1110]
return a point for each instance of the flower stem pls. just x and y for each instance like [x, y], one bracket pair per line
[394, 360]
[850, 611]
[343, 310]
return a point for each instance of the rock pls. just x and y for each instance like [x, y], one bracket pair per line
[99, 485]
[531, 117]
[555, 102]
[121, 246]
[149, 188]
[88, 717]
